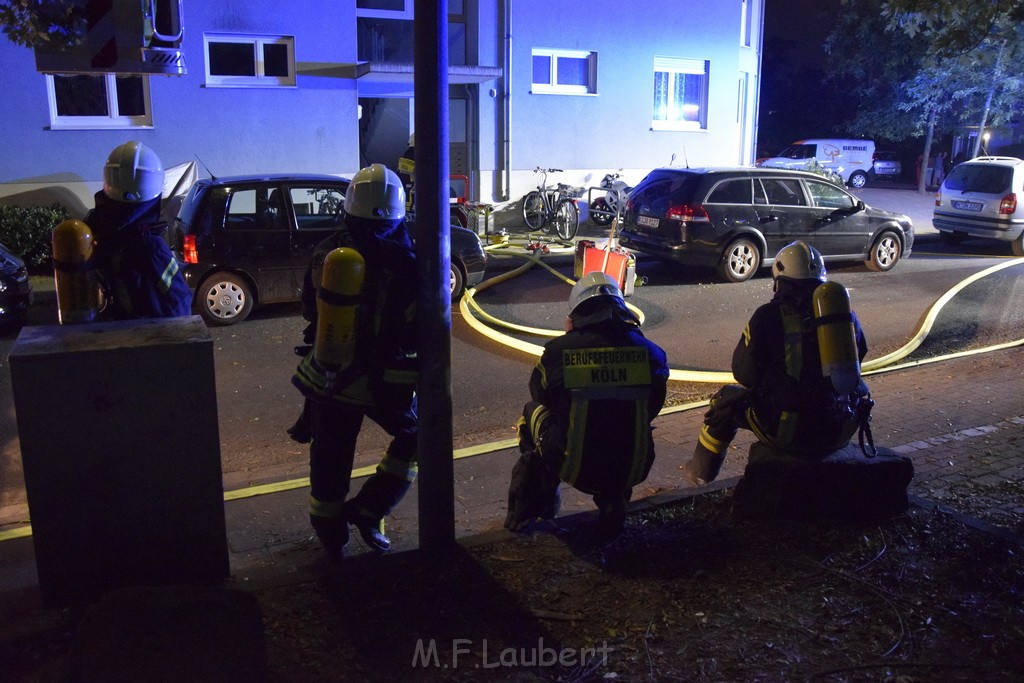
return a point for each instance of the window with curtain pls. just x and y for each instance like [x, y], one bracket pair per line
[680, 94]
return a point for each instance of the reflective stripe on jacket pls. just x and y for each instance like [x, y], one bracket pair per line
[603, 384]
[793, 406]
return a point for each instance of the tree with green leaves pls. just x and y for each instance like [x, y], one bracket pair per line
[928, 67]
[38, 23]
[954, 26]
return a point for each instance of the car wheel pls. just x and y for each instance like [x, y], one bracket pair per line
[859, 179]
[1018, 245]
[457, 281]
[885, 252]
[740, 261]
[224, 299]
[950, 238]
[600, 205]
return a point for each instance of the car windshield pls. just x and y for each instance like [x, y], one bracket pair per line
[980, 178]
[799, 152]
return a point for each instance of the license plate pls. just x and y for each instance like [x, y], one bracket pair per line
[647, 221]
[968, 206]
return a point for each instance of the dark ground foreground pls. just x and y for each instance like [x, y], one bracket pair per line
[688, 592]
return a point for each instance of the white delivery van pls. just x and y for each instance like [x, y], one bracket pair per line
[851, 159]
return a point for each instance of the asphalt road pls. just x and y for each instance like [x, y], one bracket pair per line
[695, 319]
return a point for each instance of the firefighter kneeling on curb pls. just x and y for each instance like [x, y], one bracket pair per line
[363, 362]
[595, 392]
[798, 362]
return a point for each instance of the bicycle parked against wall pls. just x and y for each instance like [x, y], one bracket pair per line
[555, 210]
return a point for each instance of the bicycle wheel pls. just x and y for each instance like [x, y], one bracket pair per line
[533, 210]
[567, 219]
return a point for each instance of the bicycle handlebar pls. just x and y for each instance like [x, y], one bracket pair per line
[547, 170]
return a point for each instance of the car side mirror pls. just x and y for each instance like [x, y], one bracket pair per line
[859, 206]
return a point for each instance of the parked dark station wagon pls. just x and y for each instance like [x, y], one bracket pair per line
[247, 240]
[736, 219]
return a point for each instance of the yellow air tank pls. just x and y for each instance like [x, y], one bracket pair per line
[74, 275]
[837, 340]
[338, 308]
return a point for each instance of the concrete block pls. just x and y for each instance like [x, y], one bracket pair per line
[845, 485]
[118, 430]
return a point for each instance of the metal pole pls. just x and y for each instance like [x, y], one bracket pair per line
[433, 250]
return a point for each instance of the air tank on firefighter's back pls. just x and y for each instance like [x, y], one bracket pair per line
[121, 36]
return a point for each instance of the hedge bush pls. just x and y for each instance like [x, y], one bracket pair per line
[826, 173]
[26, 230]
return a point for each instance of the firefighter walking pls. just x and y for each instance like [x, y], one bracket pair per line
[594, 394]
[363, 362]
[798, 365]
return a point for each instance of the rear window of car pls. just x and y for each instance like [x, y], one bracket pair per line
[188, 207]
[671, 186]
[736, 191]
[980, 178]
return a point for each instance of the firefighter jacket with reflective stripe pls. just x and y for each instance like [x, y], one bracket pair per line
[385, 368]
[139, 272]
[792, 405]
[603, 385]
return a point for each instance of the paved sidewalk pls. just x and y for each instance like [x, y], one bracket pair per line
[961, 421]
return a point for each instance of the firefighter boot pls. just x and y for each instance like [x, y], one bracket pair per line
[704, 466]
[370, 526]
[333, 535]
[611, 519]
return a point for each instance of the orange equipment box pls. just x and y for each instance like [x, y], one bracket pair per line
[616, 262]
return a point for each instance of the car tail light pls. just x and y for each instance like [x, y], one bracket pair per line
[188, 248]
[938, 199]
[1008, 204]
[685, 213]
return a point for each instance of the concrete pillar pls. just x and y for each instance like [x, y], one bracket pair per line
[121, 452]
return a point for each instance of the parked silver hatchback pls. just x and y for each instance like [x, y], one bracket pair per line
[983, 197]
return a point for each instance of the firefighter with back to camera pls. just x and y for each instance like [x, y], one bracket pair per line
[798, 362]
[139, 274]
[594, 394]
[363, 361]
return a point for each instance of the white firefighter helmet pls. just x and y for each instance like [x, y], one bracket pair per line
[375, 193]
[133, 173]
[590, 287]
[799, 261]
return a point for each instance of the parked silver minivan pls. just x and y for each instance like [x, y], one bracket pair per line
[983, 197]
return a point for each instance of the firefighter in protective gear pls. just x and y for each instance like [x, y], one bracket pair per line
[407, 173]
[594, 394]
[138, 272]
[786, 398]
[380, 380]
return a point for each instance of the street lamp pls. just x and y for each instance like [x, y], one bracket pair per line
[984, 143]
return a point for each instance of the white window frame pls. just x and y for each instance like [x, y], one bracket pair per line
[257, 42]
[746, 22]
[405, 13]
[111, 121]
[552, 87]
[680, 65]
